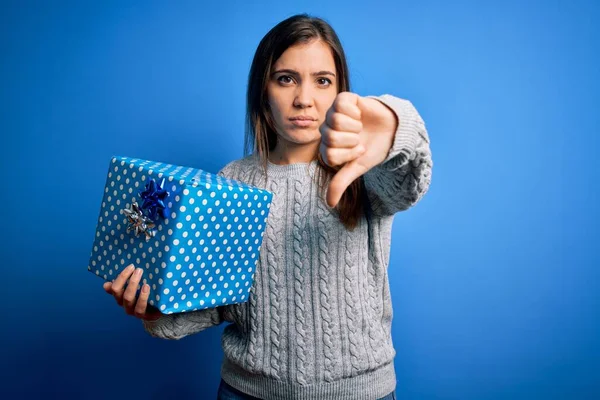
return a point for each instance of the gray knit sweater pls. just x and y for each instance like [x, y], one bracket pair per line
[317, 324]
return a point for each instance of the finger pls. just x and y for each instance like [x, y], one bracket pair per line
[339, 121]
[341, 180]
[118, 286]
[333, 138]
[142, 302]
[130, 293]
[108, 287]
[334, 157]
[347, 103]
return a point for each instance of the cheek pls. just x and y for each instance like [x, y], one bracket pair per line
[275, 106]
[276, 113]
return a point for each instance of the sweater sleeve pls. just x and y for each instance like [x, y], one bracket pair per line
[180, 325]
[403, 178]
[177, 326]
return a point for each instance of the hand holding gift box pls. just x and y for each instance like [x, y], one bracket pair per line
[196, 235]
[127, 298]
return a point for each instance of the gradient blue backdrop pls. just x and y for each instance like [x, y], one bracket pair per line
[494, 276]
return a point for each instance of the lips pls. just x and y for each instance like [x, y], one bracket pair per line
[303, 123]
[302, 118]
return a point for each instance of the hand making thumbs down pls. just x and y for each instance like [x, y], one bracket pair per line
[358, 133]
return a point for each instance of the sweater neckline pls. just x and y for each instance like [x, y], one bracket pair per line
[291, 170]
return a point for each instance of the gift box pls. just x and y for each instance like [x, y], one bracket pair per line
[196, 235]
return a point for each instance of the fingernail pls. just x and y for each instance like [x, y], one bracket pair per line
[145, 288]
[138, 272]
[129, 267]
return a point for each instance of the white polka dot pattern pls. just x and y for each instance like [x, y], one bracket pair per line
[203, 255]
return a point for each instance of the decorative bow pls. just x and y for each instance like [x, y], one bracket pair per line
[138, 222]
[154, 199]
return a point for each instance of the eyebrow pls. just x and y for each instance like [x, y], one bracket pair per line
[291, 71]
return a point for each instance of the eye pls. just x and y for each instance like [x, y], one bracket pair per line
[285, 79]
[324, 81]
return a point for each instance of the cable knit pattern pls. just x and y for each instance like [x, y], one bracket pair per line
[177, 326]
[235, 338]
[299, 217]
[350, 297]
[252, 343]
[372, 290]
[319, 331]
[274, 230]
[324, 277]
[368, 290]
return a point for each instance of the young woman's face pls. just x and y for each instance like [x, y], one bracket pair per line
[303, 84]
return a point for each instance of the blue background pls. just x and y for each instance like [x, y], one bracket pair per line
[494, 278]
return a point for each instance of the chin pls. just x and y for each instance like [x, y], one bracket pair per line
[303, 136]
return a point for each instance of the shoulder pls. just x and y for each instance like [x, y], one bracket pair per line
[233, 168]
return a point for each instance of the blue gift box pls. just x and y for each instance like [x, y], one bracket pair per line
[196, 235]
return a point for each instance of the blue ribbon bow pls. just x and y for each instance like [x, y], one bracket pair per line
[154, 199]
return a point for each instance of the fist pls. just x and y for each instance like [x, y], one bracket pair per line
[357, 135]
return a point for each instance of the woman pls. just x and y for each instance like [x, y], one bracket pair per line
[317, 324]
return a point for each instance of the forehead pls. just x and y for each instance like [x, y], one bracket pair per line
[313, 56]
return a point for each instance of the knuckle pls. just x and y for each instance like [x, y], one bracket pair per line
[345, 105]
[128, 298]
[140, 309]
[143, 298]
[117, 287]
[343, 97]
[336, 120]
[333, 158]
[329, 154]
[124, 274]
[140, 305]
[331, 141]
[359, 126]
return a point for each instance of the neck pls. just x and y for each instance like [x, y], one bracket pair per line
[292, 153]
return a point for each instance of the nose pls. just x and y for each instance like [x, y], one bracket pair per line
[304, 97]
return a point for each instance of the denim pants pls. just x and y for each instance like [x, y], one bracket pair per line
[226, 392]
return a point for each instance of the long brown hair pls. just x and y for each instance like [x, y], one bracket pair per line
[261, 137]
